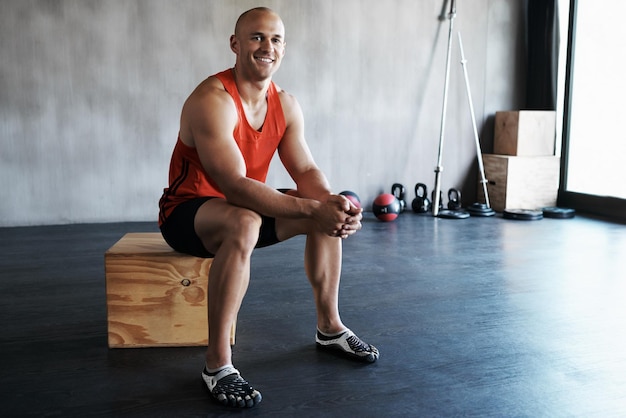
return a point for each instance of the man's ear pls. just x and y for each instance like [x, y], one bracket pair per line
[234, 44]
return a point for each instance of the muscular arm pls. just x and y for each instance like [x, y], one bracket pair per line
[296, 156]
[297, 159]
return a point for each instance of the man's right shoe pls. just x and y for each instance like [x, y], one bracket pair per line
[229, 388]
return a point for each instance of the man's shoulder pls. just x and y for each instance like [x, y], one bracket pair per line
[211, 90]
[289, 103]
[282, 92]
[209, 86]
[286, 99]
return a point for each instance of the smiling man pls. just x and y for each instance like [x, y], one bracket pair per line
[218, 205]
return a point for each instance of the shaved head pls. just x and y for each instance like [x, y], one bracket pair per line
[246, 16]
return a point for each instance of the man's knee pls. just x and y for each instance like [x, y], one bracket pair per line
[228, 225]
[243, 228]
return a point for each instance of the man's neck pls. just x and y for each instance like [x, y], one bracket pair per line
[252, 93]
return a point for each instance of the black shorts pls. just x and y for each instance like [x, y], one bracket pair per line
[179, 232]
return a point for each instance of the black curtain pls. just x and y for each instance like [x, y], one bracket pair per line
[542, 48]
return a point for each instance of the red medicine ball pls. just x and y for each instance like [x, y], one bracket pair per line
[386, 207]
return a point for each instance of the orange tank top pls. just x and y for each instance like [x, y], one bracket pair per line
[187, 177]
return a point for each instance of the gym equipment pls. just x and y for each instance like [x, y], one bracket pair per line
[483, 211]
[432, 198]
[399, 191]
[386, 207]
[480, 209]
[136, 290]
[477, 209]
[353, 197]
[437, 190]
[454, 210]
[453, 214]
[558, 213]
[454, 199]
[421, 203]
[523, 214]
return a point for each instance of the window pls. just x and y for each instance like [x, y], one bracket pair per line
[594, 123]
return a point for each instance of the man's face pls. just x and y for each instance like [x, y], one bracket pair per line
[259, 42]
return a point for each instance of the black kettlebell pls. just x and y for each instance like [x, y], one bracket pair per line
[421, 204]
[432, 196]
[398, 191]
[454, 199]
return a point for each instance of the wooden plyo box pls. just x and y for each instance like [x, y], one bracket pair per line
[521, 182]
[156, 297]
[525, 133]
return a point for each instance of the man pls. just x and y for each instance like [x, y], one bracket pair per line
[217, 204]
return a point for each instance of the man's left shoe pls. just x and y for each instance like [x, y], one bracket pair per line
[349, 344]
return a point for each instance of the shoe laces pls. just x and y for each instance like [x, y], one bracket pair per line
[357, 345]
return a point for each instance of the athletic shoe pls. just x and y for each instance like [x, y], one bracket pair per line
[349, 344]
[230, 389]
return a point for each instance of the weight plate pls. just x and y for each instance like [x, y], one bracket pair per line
[558, 213]
[480, 209]
[522, 214]
[453, 214]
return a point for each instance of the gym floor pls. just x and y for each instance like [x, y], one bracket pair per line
[473, 317]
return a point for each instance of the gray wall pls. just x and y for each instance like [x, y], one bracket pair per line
[91, 92]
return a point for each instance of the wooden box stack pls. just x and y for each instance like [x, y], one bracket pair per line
[523, 172]
[156, 297]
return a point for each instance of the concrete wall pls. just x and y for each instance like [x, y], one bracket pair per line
[91, 91]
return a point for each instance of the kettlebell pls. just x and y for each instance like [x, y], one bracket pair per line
[398, 191]
[454, 199]
[432, 196]
[421, 204]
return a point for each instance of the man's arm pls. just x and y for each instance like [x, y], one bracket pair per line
[209, 118]
[296, 156]
[299, 163]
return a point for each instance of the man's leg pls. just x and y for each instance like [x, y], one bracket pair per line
[230, 233]
[322, 262]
